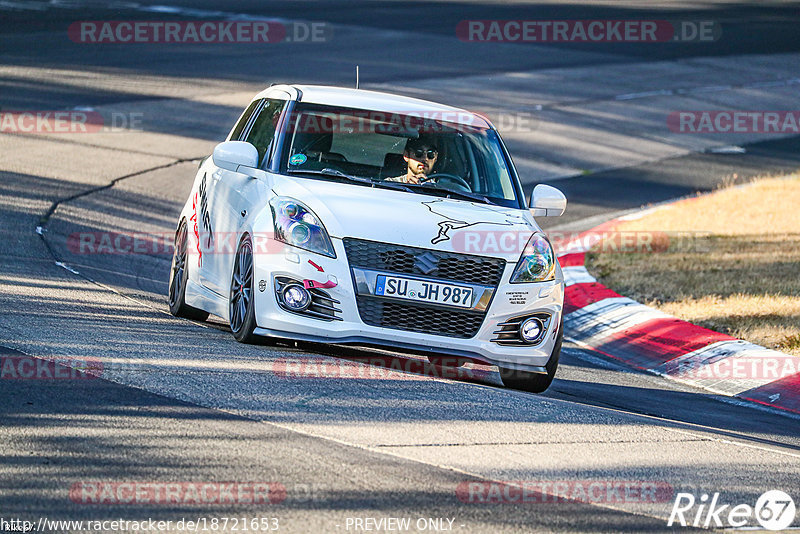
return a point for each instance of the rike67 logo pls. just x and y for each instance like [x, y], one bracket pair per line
[774, 510]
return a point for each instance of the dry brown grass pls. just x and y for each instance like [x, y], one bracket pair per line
[732, 264]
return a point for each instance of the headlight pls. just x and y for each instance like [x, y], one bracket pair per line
[297, 225]
[537, 263]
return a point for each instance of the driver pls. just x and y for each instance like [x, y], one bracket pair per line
[420, 155]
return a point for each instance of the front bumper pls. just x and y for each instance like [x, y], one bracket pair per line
[508, 301]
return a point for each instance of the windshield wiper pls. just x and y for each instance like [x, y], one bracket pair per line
[327, 171]
[357, 179]
[463, 195]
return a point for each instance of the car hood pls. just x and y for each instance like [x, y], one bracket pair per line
[349, 210]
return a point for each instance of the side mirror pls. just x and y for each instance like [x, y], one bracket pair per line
[231, 155]
[547, 201]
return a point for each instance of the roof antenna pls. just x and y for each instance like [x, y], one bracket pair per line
[356, 76]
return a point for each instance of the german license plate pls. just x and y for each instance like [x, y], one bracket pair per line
[423, 291]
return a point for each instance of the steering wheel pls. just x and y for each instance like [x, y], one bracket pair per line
[456, 180]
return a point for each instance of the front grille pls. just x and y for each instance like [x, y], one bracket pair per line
[386, 257]
[445, 266]
[415, 318]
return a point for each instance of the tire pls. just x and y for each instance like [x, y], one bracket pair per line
[534, 382]
[241, 302]
[178, 276]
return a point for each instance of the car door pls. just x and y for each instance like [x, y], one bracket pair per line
[206, 211]
[236, 195]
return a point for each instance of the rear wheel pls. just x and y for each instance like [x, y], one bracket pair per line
[534, 382]
[241, 306]
[179, 274]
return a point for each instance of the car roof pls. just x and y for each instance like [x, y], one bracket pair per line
[375, 101]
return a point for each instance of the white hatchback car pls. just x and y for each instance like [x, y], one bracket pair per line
[357, 217]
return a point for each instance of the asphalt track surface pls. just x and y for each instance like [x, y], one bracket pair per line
[179, 401]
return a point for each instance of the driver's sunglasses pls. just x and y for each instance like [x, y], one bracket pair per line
[430, 153]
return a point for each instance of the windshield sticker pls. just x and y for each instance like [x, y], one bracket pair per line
[298, 159]
[440, 208]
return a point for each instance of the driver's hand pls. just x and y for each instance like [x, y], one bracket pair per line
[418, 178]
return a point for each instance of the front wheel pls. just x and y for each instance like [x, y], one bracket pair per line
[241, 305]
[534, 382]
[178, 277]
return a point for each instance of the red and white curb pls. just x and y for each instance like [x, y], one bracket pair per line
[597, 318]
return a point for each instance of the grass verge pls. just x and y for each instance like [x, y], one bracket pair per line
[728, 261]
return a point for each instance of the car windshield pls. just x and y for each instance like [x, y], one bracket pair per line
[449, 158]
